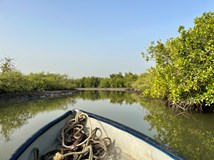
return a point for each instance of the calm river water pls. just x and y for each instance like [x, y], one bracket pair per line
[190, 134]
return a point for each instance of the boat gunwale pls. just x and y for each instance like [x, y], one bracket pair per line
[163, 148]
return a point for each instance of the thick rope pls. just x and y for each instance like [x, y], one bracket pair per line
[79, 142]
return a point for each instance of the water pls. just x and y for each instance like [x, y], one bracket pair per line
[190, 134]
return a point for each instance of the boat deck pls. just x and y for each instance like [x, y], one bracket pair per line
[122, 156]
[115, 153]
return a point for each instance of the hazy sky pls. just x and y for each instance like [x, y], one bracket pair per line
[90, 37]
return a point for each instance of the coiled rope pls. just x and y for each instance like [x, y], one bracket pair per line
[79, 142]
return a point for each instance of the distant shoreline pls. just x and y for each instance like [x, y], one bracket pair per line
[27, 96]
[104, 89]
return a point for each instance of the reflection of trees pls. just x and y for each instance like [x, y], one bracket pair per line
[192, 136]
[115, 97]
[14, 116]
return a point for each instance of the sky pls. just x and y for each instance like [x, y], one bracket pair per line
[90, 37]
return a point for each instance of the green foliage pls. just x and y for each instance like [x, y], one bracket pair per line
[49, 81]
[88, 82]
[17, 82]
[117, 80]
[13, 81]
[148, 86]
[104, 83]
[113, 81]
[184, 69]
[129, 79]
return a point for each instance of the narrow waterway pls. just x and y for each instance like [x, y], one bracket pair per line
[191, 134]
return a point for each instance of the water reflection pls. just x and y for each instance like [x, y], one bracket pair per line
[15, 115]
[191, 135]
[114, 97]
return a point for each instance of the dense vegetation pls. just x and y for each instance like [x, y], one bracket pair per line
[12, 80]
[114, 81]
[184, 71]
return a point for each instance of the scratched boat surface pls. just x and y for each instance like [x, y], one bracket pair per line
[127, 144]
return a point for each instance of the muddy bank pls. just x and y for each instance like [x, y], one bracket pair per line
[26, 96]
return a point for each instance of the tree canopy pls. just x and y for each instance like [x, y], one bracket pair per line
[184, 71]
[116, 80]
[7, 65]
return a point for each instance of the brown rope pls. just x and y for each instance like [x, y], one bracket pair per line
[79, 142]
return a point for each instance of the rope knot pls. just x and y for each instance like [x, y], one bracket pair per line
[58, 156]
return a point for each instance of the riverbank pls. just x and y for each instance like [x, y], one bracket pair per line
[26, 96]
